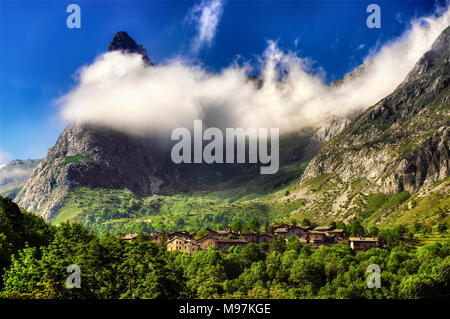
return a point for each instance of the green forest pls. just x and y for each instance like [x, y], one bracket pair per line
[34, 257]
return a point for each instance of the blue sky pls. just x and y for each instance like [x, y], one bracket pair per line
[39, 55]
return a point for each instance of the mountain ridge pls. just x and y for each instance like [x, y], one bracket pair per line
[386, 115]
[93, 157]
[387, 162]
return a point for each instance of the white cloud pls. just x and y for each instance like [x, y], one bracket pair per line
[13, 174]
[206, 16]
[4, 158]
[360, 47]
[119, 91]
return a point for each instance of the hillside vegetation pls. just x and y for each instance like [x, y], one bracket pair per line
[35, 255]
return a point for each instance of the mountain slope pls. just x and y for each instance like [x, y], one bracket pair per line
[93, 157]
[398, 146]
[90, 156]
[402, 142]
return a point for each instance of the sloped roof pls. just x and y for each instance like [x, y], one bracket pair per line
[322, 228]
[265, 234]
[212, 236]
[227, 240]
[336, 231]
[316, 232]
[363, 239]
[130, 236]
[182, 239]
[249, 232]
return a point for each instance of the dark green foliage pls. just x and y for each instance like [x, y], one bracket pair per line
[162, 238]
[110, 268]
[253, 224]
[417, 227]
[19, 229]
[306, 222]
[340, 225]
[373, 231]
[267, 227]
[374, 202]
[395, 200]
[393, 236]
[237, 226]
[441, 227]
[278, 244]
[201, 233]
[356, 228]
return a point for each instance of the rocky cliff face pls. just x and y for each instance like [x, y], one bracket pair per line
[91, 156]
[331, 129]
[402, 142]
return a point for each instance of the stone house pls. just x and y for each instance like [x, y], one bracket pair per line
[314, 237]
[250, 236]
[224, 232]
[264, 238]
[297, 231]
[222, 243]
[183, 245]
[338, 234]
[207, 241]
[130, 237]
[363, 243]
[281, 231]
[286, 231]
[154, 237]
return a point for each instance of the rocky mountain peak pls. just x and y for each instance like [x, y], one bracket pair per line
[123, 42]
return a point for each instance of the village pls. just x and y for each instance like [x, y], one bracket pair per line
[190, 243]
